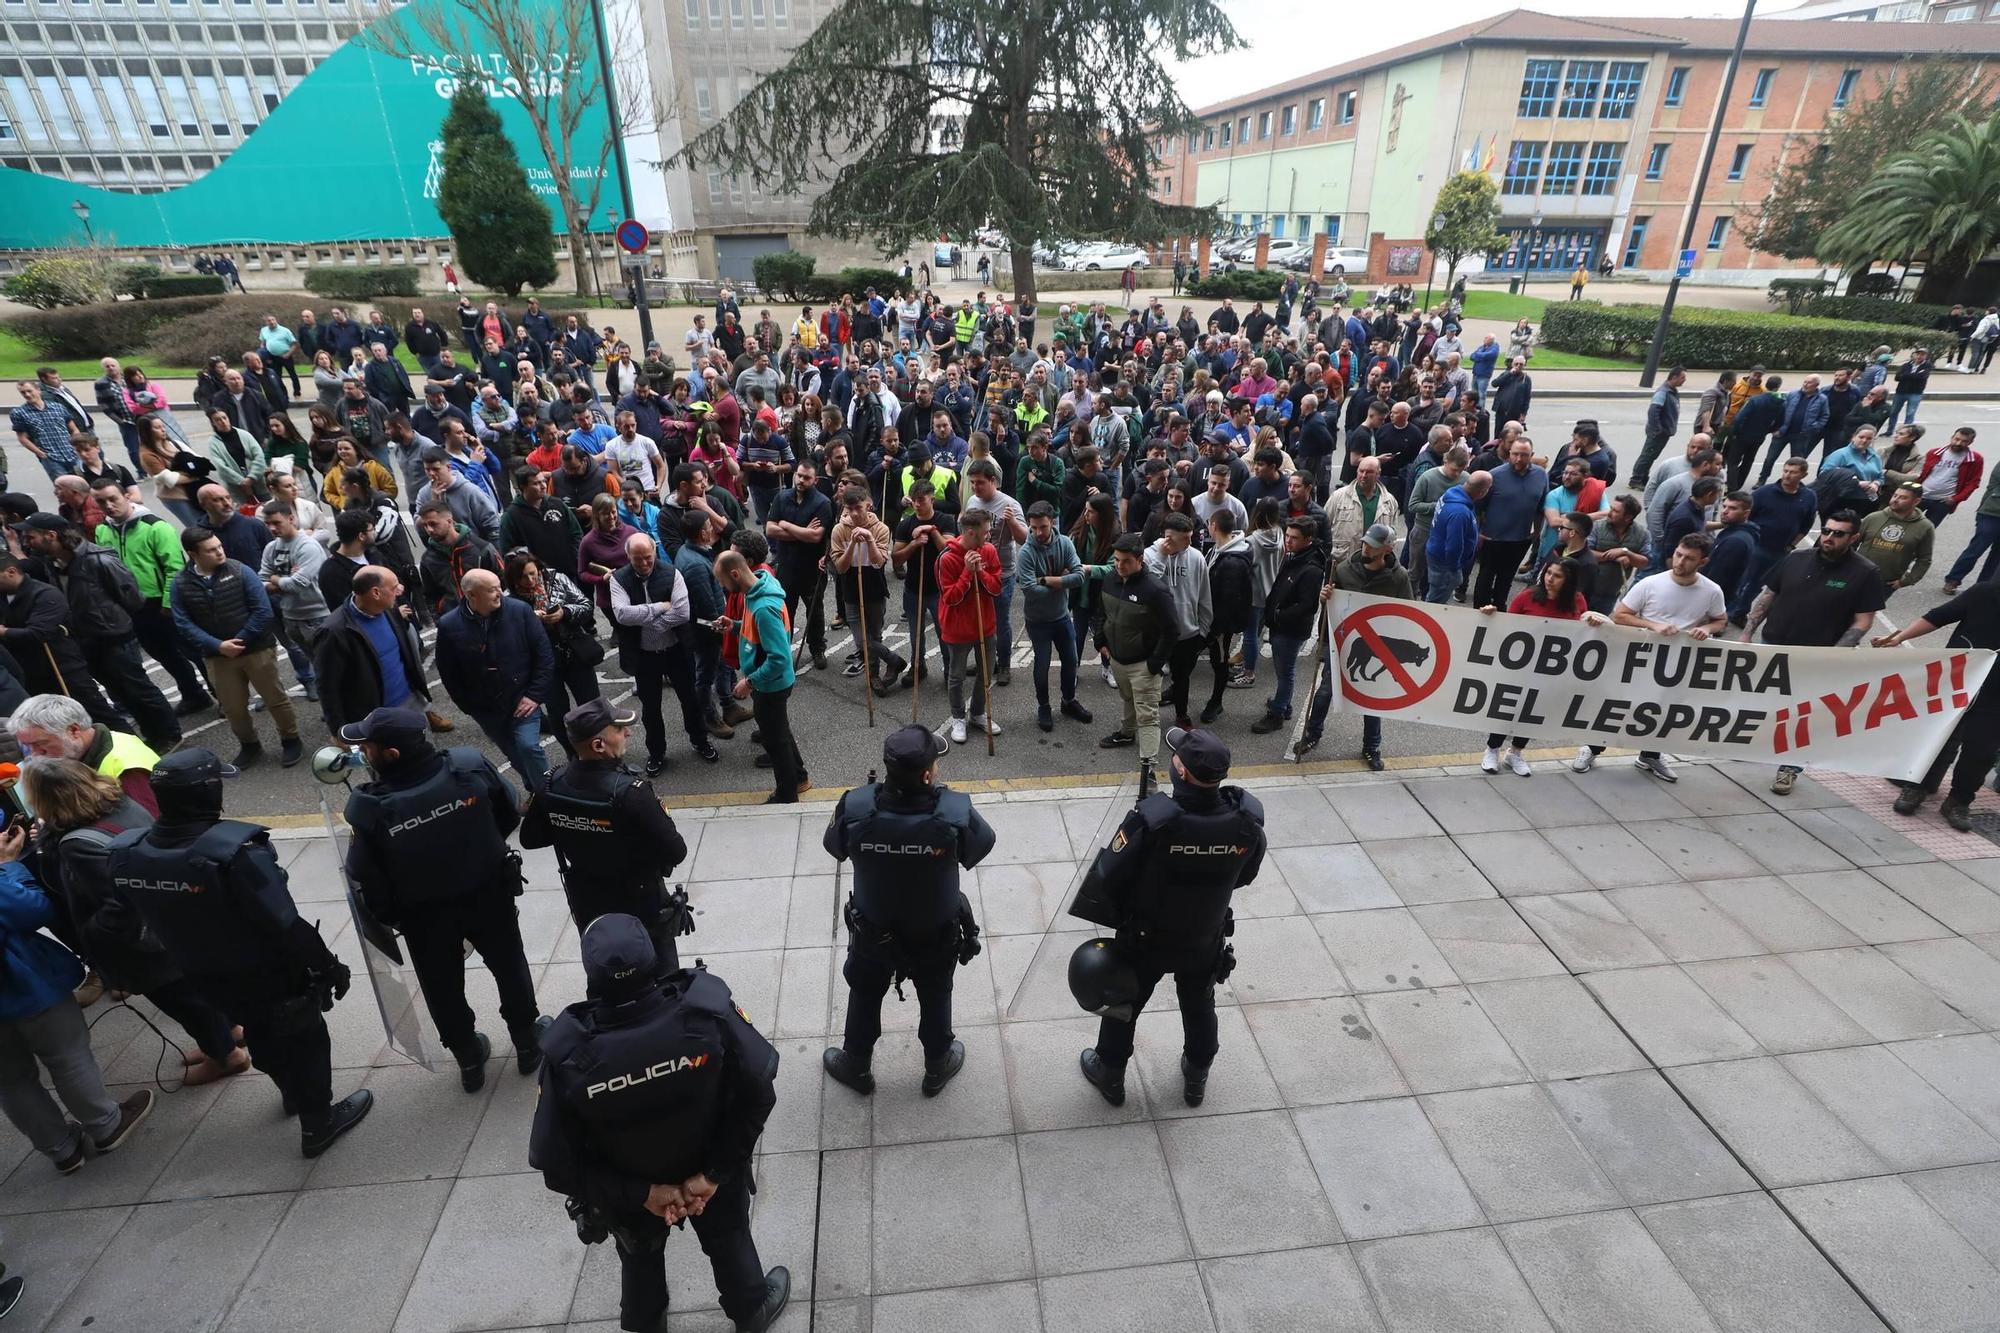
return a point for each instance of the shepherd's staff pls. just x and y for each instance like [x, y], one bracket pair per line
[861, 617]
[1319, 662]
[985, 684]
[917, 640]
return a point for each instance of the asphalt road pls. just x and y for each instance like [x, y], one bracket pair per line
[829, 712]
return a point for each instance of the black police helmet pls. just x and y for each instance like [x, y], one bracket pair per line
[188, 785]
[1102, 981]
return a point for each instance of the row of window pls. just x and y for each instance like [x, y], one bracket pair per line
[1635, 240]
[1562, 168]
[208, 36]
[1656, 161]
[741, 14]
[1277, 221]
[133, 108]
[1586, 88]
[1345, 105]
[182, 4]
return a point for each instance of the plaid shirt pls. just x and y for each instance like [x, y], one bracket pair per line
[48, 427]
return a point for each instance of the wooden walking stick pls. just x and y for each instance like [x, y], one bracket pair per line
[917, 647]
[985, 684]
[61, 684]
[861, 618]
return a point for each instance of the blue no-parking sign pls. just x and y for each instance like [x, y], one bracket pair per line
[634, 238]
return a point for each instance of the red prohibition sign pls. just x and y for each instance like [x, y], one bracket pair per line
[1366, 654]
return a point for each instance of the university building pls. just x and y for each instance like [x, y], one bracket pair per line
[1592, 127]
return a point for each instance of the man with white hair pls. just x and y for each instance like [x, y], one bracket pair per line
[649, 613]
[56, 726]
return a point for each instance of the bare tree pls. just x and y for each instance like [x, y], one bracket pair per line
[542, 55]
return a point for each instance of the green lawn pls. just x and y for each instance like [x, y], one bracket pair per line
[19, 361]
[1480, 304]
[1548, 358]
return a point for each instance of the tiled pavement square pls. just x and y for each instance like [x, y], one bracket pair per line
[1729, 1067]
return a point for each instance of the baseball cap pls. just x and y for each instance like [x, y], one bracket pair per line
[387, 725]
[45, 522]
[618, 955]
[1911, 486]
[913, 748]
[1379, 536]
[1201, 752]
[588, 718]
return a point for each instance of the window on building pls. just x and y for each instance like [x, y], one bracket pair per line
[1263, 124]
[693, 14]
[182, 102]
[58, 108]
[1316, 110]
[1621, 89]
[122, 115]
[1288, 120]
[1243, 130]
[704, 102]
[1656, 161]
[1635, 243]
[1225, 134]
[756, 13]
[1524, 168]
[1565, 164]
[781, 13]
[156, 111]
[1208, 137]
[95, 123]
[1538, 88]
[736, 14]
[1256, 223]
[715, 191]
[1760, 91]
[1845, 92]
[1718, 231]
[26, 115]
[1961, 13]
[243, 100]
[1580, 85]
[715, 13]
[1344, 107]
[1194, 142]
[1677, 82]
[1332, 228]
[1235, 219]
[268, 93]
[1739, 161]
[210, 93]
[1600, 174]
[1166, 185]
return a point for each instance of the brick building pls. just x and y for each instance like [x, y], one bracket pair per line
[1593, 127]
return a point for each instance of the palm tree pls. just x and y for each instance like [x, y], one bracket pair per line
[1938, 201]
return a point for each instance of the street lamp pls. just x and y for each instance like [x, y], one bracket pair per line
[82, 211]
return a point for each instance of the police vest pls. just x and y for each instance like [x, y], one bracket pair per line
[438, 837]
[183, 895]
[604, 868]
[648, 1080]
[1194, 859]
[905, 861]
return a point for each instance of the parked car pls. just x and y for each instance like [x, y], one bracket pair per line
[1118, 257]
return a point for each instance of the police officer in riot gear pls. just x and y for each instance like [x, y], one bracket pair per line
[906, 917]
[1164, 885]
[615, 844]
[653, 1095]
[429, 857]
[212, 891]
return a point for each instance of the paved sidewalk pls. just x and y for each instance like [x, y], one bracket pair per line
[1496, 1056]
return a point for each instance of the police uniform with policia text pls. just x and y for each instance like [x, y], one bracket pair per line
[653, 1096]
[429, 857]
[906, 917]
[615, 844]
[212, 891]
[1164, 885]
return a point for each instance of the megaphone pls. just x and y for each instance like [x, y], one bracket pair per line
[332, 763]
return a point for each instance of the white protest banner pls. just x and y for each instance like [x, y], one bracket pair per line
[1882, 711]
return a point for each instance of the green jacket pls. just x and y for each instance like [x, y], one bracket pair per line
[1426, 491]
[1048, 486]
[148, 546]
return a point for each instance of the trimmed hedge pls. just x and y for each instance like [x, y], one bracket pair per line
[359, 284]
[116, 328]
[1703, 337]
[161, 286]
[1875, 310]
[1245, 284]
[783, 273]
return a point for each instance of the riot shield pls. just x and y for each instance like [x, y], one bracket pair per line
[392, 981]
[1043, 990]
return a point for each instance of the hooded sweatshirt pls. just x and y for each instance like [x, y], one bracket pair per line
[1038, 560]
[1185, 577]
[765, 648]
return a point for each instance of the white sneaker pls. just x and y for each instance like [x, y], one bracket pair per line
[957, 731]
[979, 724]
[1490, 761]
[1586, 759]
[1104, 669]
[1519, 763]
[1657, 765]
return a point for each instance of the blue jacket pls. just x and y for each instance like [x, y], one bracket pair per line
[1804, 417]
[488, 664]
[1484, 357]
[1764, 413]
[697, 570]
[1730, 559]
[1454, 541]
[37, 972]
[1515, 502]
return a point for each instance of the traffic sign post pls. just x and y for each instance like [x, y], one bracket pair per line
[1685, 269]
[635, 240]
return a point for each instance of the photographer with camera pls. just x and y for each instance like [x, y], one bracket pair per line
[429, 857]
[212, 891]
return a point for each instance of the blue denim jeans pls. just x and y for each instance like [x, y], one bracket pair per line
[1059, 635]
[1896, 416]
[1985, 531]
[520, 739]
[1251, 646]
[1002, 628]
[1443, 583]
[1285, 665]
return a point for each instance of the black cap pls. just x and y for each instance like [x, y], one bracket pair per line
[1201, 752]
[187, 768]
[588, 718]
[46, 522]
[913, 749]
[618, 956]
[18, 506]
[386, 725]
[194, 465]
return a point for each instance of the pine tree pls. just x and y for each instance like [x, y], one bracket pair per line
[1041, 118]
[502, 231]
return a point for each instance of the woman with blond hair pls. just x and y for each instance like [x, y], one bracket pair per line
[78, 812]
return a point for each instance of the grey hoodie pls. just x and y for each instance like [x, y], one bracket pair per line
[1041, 604]
[1185, 577]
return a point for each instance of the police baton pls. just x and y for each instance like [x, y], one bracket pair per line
[985, 682]
[917, 646]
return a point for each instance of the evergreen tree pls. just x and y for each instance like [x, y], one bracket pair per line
[501, 229]
[1465, 221]
[1938, 201]
[1041, 118]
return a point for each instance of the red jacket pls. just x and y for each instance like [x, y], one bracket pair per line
[835, 327]
[1968, 472]
[965, 599]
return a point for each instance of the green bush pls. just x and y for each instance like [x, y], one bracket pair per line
[1245, 284]
[1794, 293]
[1703, 337]
[885, 281]
[1873, 309]
[177, 284]
[60, 280]
[784, 273]
[359, 284]
[114, 328]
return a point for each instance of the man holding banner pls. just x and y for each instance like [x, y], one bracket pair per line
[1975, 741]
